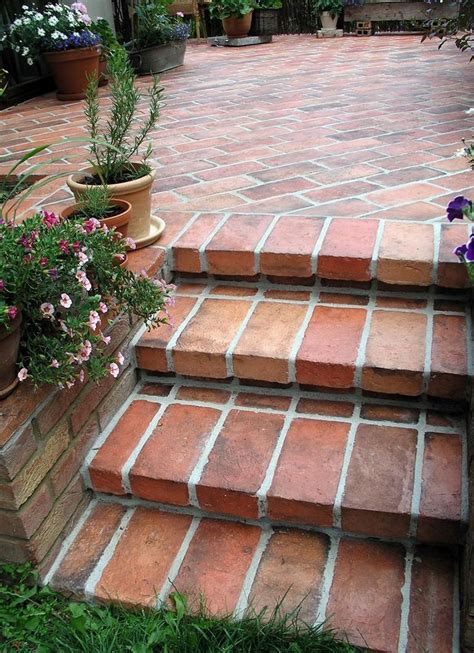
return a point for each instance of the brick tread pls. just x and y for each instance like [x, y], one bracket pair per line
[289, 457]
[328, 337]
[379, 595]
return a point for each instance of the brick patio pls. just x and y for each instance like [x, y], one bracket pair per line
[302, 423]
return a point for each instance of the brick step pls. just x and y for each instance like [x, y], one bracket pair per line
[381, 595]
[383, 470]
[381, 342]
[299, 249]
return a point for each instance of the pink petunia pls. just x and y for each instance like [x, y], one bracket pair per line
[105, 339]
[83, 258]
[91, 225]
[50, 220]
[114, 370]
[103, 308]
[120, 358]
[12, 312]
[85, 351]
[65, 300]
[83, 280]
[47, 309]
[130, 243]
[94, 320]
[82, 376]
[22, 374]
[54, 363]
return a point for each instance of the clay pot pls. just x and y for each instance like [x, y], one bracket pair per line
[9, 346]
[237, 28]
[119, 221]
[327, 20]
[142, 227]
[121, 260]
[71, 70]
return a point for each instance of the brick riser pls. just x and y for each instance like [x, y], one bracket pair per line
[373, 469]
[384, 342]
[380, 595]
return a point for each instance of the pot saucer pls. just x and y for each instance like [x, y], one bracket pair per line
[157, 226]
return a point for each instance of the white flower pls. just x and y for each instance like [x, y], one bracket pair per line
[17, 48]
[460, 153]
[53, 21]
[470, 112]
[25, 7]
[41, 32]
[114, 370]
[22, 374]
[26, 21]
[25, 51]
[17, 22]
[30, 61]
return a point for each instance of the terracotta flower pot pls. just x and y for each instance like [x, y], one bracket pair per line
[119, 221]
[327, 20]
[142, 227]
[237, 28]
[9, 346]
[71, 70]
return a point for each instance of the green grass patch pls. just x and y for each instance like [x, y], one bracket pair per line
[35, 618]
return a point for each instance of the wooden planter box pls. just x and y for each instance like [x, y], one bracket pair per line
[399, 10]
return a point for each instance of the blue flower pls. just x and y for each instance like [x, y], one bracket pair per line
[456, 208]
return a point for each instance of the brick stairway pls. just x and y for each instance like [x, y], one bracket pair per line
[292, 441]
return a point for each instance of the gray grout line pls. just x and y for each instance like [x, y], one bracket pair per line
[436, 247]
[319, 243]
[68, 541]
[96, 574]
[263, 240]
[206, 451]
[417, 475]
[272, 465]
[376, 250]
[125, 472]
[456, 610]
[429, 330]
[235, 340]
[202, 249]
[177, 562]
[188, 225]
[299, 337]
[338, 499]
[243, 600]
[327, 580]
[174, 339]
[361, 352]
[405, 607]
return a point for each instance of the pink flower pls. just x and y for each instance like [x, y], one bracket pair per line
[114, 370]
[120, 358]
[180, 14]
[105, 339]
[82, 376]
[94, 320]
[65, 300]
[22, 374]
[49, 219]
[130, 243]
[91, 225]
[85, 351]
[47, 309]
[12, 312]
[103, 307]
[83, 280]
[87, 20]
[64, 246]
[69, 384]
[65, 328]
[43, 261]
[54, 363]
[76, 245]
[2, 284]
[82, 258]
[80, 7]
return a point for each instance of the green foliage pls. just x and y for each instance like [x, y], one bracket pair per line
[459, 29]
[335, 7]
[154, 26]
[269, 4]
[108, 40]
[3, 81]
[118, 133]
[95, 202]
[34, 618]
[222, 9]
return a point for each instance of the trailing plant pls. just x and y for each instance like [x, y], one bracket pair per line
[64, 276]
[57, 27]
[155, 27]
[116, 131]
[223, 9]
[334, 7]
[108, 40]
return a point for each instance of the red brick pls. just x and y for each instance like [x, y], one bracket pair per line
[152, 539]
[200, 393]
[379, 484]
[288, 249]
[238, 463]
[106, 468]
[16, 453]
[382, 413]
[87, 547]
[323, 407]
[186, 249]
[264, 348]
[18, 408]
[150, 259]
[164, 465]
[440, 504]
[290, 574]
[395, 354]
[346, 252]
[275, 402]
[432, 601]
[23, 523]
[88, 401]
[232, 250]
[406, 254]
[328, 353]
[69, 463]
[365, 600]
[151, 350]
[201, 348]
[451, 272]
[449, 357]
[307, 475]
[216, 564]
[120, 392]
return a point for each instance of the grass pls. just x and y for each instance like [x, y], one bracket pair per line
[35, 618]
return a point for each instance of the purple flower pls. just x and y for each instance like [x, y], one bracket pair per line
[466, 252]
[457, 207]
[53, 273]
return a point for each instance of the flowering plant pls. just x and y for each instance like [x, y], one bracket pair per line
[156, 27]
[64, 278]
[458, 209]
[57, 27]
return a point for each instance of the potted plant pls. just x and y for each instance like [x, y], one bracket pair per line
[117, 141]
[328, 11]
[236, 16]
[62, 35]
[58, 278]
[108, 42]
[265, 17]
[160, 41]
[96, 203]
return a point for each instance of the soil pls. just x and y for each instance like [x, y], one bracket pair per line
[110, 213]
